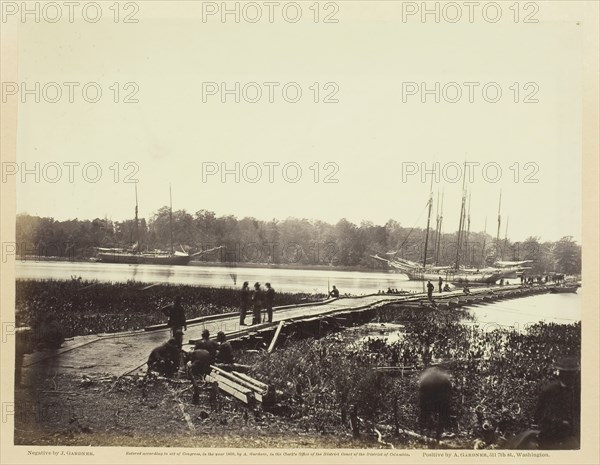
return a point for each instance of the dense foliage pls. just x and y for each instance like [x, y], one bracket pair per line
[290, 241]
[496, 375]
[84, 307]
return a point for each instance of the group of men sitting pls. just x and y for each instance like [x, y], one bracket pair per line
[167, 358]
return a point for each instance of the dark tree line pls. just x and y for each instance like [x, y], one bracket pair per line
[289, 241]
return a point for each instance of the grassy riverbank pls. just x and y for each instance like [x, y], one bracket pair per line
[91, 307]
[496, 375]
[496, 379]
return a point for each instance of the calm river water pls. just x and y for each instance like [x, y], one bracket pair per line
[559, 308]
[285, 280]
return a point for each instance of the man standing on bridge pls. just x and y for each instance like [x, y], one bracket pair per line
[245, 296]
[440, 282]
[256, 303]
[269, 297]
[176, 314]
[430, 288]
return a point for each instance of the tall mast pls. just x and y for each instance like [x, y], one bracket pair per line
[461, 220]
[428, 222]
[459, 235]
[499, 219]
[437, 227]
[437, 249]
[505, 237]
[462, 225]
[135, 228]
[468, 228]
[484, 239]
[171, 218]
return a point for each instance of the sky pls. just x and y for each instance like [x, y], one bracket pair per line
[361, 155]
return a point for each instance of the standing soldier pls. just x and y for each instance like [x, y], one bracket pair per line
[558, 408]
[269, 297]
[440, 282]
[435, 395]
[51, 334]
[256, 303]
[430, 288]
[23, 345]
[246, 295]
[176, 314]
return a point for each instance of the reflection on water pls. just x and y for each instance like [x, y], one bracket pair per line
[520, 313]
[516, 313]
[513, 315]
[388, 332]
[284, 280]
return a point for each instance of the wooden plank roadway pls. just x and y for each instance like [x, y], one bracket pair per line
[121, 353]
[116, 354]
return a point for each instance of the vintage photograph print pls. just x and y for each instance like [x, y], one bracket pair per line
[294, 230]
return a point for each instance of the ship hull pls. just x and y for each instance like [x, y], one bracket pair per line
[564, 290]
[107, 257]
[455, 277]
[449, 275]
[143, 259]
[167, 260]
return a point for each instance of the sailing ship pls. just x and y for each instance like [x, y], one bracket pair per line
[155, 257]
[133, 255]
[454, 273]
[416, 272]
